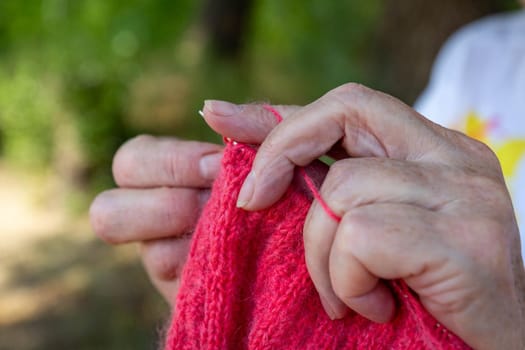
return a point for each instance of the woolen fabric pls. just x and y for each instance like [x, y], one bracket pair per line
[245, 284]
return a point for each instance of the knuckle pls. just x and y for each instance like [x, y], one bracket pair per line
[179, 209]
[336, 179]
[348, 94]
[265, 119]
[139, 140]
[159, 262]
[166, 270]
[172, 164]
[485, 184]
[338, 169]
[487, 190]
[164, 259]
[125, 160]
[477, 155]
[170, 207]
[351, 89]
[179, 161]
[485, 152]
[339, 99]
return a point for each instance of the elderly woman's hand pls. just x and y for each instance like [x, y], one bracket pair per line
[163, 183]
[417, 201]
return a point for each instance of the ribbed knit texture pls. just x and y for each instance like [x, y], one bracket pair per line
[245, 284]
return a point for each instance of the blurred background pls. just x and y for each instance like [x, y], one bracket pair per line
[78, 77]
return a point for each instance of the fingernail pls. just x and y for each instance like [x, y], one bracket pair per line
[327, 308]
[203, 196]
[201, 113]
[335, 309]
[209, 165]
[221, 108]
[246, 190]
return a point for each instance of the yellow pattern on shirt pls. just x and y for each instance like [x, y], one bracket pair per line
[509, 152]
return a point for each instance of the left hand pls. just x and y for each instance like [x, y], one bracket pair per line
[163, 184]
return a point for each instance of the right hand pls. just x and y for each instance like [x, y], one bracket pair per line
[163, 184]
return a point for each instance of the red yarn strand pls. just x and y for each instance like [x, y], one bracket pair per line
[272, 110]
[317, 195]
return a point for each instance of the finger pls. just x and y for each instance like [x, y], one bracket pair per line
[318, 234]
[127, 215]
[366, 122]
[351, 183]
[372, 243]
[248, 123]
[355, 182]
[164, 260]
[147, 162]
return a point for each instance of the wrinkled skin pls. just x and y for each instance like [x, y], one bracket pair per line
[417, 201]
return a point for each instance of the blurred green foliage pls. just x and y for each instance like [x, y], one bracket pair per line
[106, 68]
[312, 47]
[26, 118]
[68, 61]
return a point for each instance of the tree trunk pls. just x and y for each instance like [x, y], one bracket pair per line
[226, 24]
[412, 33]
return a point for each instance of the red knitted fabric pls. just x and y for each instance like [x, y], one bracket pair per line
[245, 285]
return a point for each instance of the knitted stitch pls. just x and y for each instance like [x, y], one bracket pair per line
[245, 284]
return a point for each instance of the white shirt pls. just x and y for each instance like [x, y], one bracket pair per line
[478, 86]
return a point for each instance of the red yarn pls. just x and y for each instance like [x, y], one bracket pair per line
[245, 284]
[272, 110]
